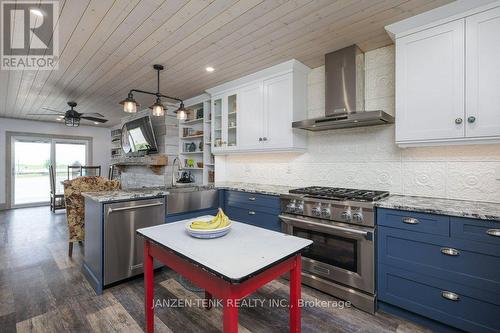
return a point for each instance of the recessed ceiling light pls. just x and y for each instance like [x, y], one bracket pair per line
[59, 119]
[36, 12]
[209, 69]
[96, 122]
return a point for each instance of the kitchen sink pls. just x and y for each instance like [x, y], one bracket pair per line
[185, 199]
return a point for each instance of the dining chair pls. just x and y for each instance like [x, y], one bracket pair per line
[75, 203]
[56, 199]
[90, 170]
[74, 171]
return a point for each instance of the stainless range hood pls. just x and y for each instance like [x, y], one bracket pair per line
[345, 92]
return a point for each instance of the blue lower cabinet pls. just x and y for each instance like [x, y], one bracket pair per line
[441, 300]
[441, 271]
[457, 260]
[419, 222]
[257, 218]
[478, 230]
[260, 210]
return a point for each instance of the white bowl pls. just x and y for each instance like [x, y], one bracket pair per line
[208, 233]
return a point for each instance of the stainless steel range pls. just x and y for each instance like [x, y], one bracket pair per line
[341, 222]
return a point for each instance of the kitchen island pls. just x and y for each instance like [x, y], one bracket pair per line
[112, 250]
[229, 268]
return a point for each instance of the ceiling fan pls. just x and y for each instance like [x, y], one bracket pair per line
[72, 117]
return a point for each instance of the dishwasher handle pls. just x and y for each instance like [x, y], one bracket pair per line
[112, 210]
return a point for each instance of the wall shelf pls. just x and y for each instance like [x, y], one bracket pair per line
[197, 136]
[155, 163]
[200, 175]
[191, 152]
[193, 121]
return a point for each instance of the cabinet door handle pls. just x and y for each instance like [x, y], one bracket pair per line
[450, 295]
[135, 266]
[410, 220]
[458, 121]
[251, 212]
[450, 251]
[251, 198]
[471, 119]
[112, 210]
[493, 232]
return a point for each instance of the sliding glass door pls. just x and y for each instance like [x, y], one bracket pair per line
[31, 172]
[30, 161]
[68, 153]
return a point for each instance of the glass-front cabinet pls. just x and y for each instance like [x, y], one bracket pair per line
[217, 124]
[224, 126]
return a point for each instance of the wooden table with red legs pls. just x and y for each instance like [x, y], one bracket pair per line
[228, 268]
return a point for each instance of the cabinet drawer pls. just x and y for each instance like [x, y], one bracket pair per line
[255, 199]
[473, 311]
[254, 217]
[478, 230]
[469, 263]
[420, 222]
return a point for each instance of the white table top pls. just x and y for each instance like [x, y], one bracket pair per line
[237, 256]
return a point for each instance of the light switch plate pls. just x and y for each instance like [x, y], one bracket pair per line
[498, 173]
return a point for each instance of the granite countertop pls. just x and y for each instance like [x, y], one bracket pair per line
[461, 208]
[128, 194]
[254, 188]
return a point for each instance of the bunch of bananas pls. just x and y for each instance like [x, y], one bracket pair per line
[219, 221]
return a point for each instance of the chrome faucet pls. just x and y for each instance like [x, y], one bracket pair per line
[179, 168]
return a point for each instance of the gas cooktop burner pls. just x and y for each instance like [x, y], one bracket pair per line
[335, 193]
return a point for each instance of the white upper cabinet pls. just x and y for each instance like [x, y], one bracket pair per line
[267, 104]
[483, 74]
[277, 123]
[251, 116]
[430, 84]
[448, 79]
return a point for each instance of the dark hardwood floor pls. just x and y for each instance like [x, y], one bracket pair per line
[42, 290]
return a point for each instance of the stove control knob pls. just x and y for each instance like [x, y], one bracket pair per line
[316, 211]
[346, 215]
[299, 207]
[357, 217]
[326, 213]
[290, 207]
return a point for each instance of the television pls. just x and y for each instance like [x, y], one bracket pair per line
[138, 136]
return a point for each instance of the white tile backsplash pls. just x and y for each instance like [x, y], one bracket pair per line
[368, 157]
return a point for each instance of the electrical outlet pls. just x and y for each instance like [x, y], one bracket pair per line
[289, 169]
[498, 173]
[247, 168]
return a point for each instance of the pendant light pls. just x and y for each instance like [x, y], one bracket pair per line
[130, 105]
[158, 108]
[181, 112]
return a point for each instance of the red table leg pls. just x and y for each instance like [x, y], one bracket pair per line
[149, 288]
[208, 300]
[230, 316]
[295, 281]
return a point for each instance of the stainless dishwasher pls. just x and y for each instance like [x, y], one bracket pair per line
[123, 249]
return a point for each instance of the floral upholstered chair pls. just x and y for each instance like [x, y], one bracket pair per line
[75, 203]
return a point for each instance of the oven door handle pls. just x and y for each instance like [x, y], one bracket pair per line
[367, 235]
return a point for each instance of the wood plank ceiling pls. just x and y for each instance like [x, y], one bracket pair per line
[108, 46]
